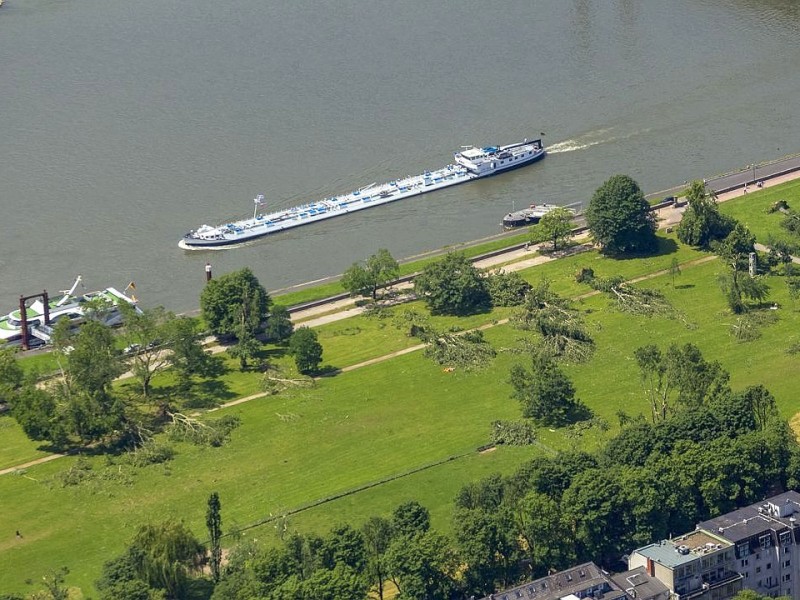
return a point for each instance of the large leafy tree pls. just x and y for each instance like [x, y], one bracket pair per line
[620, 218]
[306, 349]
[453, 286]
[423, 566]
[234, 303]
[545, 392]
[188, 357]
[164, 555]
[702, 222]
[367, 278]
[279, 324]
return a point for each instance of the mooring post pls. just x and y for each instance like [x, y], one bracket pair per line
[208, 272]
[23, 316]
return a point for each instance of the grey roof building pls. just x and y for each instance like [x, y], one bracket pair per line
[587, 581]
[766, 538]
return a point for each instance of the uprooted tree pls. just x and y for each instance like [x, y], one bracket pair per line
[561, 327]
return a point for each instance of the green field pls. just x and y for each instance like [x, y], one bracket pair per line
[399, 420]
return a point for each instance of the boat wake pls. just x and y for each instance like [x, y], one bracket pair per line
[582, 142]
[590, 139]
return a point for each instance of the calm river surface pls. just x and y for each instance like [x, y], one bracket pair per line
[125, 124]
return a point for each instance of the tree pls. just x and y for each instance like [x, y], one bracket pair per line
[620, 219]
[365, 280]
[233, 303]
[147, 332]
[545, 392]
[410, 518]
[702, 222]
[119, 580]
[279, 324]
[555, 226]
[54, 586]
[92, 364]
[306, 349]
[37, 413]
[679, 375]
[423, 566]
[164, 555]
[674, 269]
[487, 544]
[507, 289]
[214, 526]
[245, 348]
[188, 357]
[452, 286]
[540, 523]
[11, 376]
[377, 533]
[736, 283]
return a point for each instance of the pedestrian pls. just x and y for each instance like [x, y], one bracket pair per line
[745, 187]
[19, 535]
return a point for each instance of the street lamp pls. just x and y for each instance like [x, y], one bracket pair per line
[754, 173]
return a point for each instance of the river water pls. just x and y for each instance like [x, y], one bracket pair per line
[125, 124]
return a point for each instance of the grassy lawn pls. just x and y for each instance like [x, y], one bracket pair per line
[752, 210]
[379, 422]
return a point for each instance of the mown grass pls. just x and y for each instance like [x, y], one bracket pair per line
[381, 421]
[752, 210]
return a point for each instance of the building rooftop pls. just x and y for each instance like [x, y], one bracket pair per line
[571, 584]
[776, 513]
[684, 549]
[638, 584]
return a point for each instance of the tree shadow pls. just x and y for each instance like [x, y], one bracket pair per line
[327, 371]
[666, 246]
[685, 286]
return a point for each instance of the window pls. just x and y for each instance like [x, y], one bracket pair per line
[745, 562]
[765, 541]
[743, 550]
[786, 563]
[787, 577]
[787, 550]
[786, 538]
[758, 569]
[769, 565]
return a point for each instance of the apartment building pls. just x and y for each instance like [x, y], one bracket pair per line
[766, 540]
[696, 566]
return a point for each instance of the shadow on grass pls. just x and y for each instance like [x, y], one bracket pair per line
[666, 246]
[685, 286]
[327, 371]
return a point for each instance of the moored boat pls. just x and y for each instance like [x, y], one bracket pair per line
[43, 313]
[470, 163]
[528, 216]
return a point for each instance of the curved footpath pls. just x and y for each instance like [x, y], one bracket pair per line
[516, 259]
